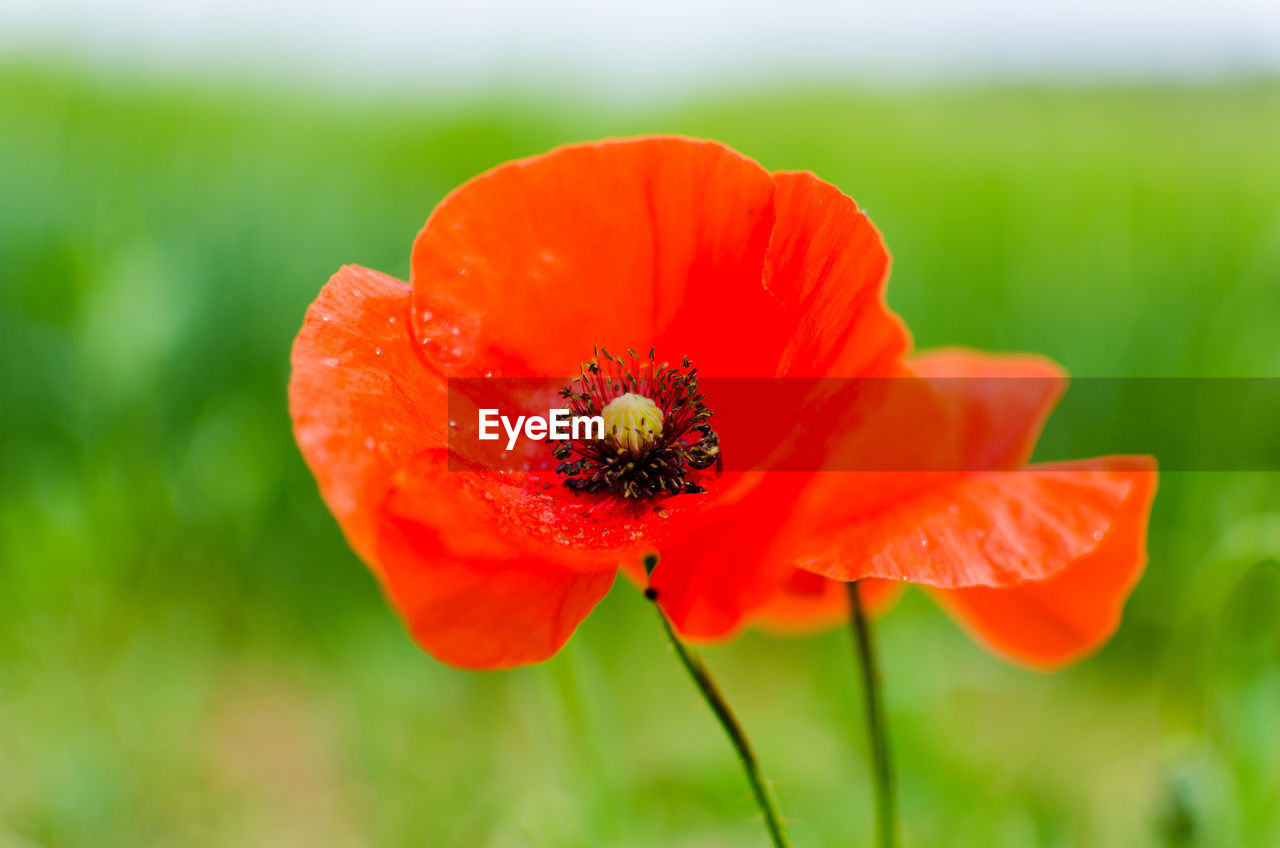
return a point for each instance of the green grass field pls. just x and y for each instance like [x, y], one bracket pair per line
[190, 656]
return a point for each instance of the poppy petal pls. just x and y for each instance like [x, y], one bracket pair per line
[827, 266]
[472, 612]
[736, 571]
[668, 242]
[1054, 622]
[626, 243]
[998, 528]
[1000, 402]
[363, 403]
[370, 417]
[825, 269]
[709, 582]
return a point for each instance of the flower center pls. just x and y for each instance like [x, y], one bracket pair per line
[632, 420]
[656, 437]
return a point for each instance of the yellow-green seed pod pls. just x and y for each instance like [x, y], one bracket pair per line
[633, 421]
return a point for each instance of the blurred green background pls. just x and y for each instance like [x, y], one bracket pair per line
[190, 656]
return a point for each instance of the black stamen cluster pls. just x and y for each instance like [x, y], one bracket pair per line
[665, 466]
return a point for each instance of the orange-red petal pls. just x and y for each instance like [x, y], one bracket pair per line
[627, 243]
[825, 270]
[1054, 622]
[668, 242]
[998, 528]
[370, 417]
[476, 612]
[827, 266]
[363, 403]
[989, 527]
[710, 581]
[1000, 402]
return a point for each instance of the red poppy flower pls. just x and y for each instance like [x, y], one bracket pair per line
[680, 246]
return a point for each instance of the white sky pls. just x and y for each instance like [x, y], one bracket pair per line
[655, 47]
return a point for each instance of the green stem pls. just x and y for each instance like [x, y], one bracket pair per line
[877, 729]
[715, 699]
